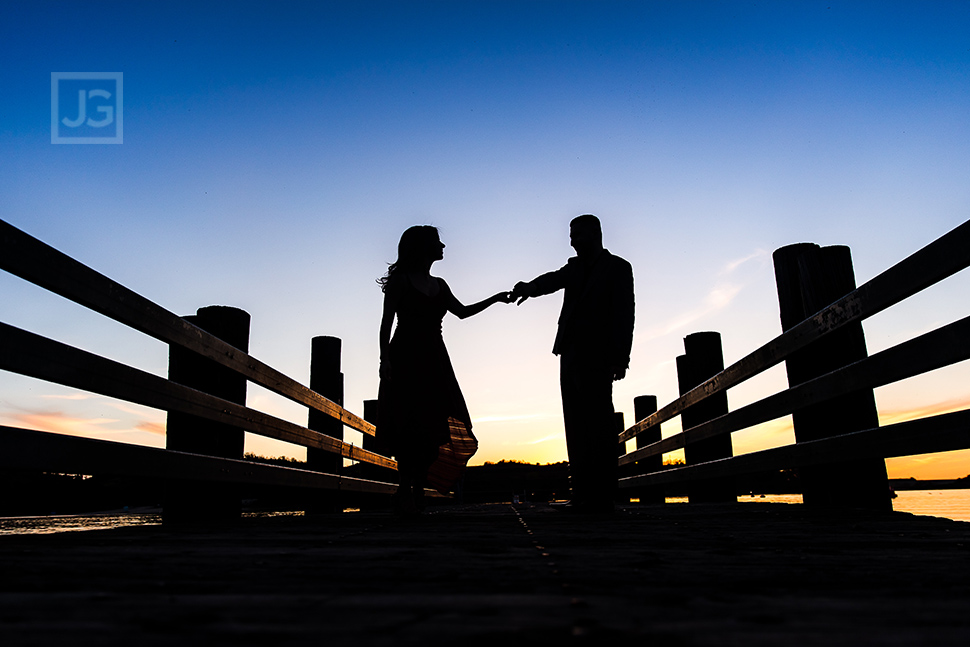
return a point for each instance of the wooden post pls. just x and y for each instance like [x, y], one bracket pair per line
[371, 413]
[809, 278]
[327, 380]
[624, 471]
[620, 496]
[703, 359]
[196, 501]
[643, 406]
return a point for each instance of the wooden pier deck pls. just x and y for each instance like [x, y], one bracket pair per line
[744, 574]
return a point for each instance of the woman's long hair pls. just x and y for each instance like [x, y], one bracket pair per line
[415, 245]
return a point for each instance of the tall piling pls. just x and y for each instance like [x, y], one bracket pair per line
[197, 501]
[327, 380]
[703, 359]
[809, 278]
[619, 496]
[643, 406]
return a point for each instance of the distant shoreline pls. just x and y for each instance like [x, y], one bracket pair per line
[916, 484]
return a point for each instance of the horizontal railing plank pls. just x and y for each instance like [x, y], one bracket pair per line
[933, 350]
[23, 255]
[943, 257]
[25, 449]
[33, 355]
[941, 433]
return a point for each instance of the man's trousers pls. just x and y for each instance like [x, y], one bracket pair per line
[591, 440]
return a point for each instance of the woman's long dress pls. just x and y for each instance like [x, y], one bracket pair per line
[422, 414]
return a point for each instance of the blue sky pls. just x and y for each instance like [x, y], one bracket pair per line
[274, 152]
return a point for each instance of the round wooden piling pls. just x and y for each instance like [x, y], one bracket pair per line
[643, 406]
[327, 380]
[809, 278]
[703, 359]
[194, 501]
[620, 496]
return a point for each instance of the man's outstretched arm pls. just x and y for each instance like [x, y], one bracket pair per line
[544, 284]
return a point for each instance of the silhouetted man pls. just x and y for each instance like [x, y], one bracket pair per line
[593, 343]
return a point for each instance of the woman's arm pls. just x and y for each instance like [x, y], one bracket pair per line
[391, 299]
[462, 311]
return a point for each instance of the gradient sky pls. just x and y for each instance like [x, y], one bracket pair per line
[274, 152]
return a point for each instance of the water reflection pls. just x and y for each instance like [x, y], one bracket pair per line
[73, 523]
[750, 498]
[48, 525]
[951, 504]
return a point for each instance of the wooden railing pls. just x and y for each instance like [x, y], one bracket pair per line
[35, 356]
[942, 347]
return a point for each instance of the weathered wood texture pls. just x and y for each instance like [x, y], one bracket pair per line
[327, 380]
[942, 258]
[32, 260]
[752, 575]
[643, 406]
[370, 443]
[809, 277]
[187, 433]
[195, 501]
[942, 347]
[702, 359]
[35, 356]
[942, 433]
[24, 449]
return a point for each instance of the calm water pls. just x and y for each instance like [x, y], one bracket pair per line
[952, 504]
[65, 523]
[68, 523]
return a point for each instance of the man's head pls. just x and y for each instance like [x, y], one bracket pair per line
[586, 234]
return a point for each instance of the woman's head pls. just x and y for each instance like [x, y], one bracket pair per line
[420, 245]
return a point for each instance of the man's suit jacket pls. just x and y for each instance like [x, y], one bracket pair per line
[596, 321]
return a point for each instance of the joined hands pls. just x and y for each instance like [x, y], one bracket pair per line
[520, 292]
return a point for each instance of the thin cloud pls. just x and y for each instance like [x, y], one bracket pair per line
[61, 423]
[759, 255]
[925, 459]
[915, 413]
[151, 427]
[537, 441]
[511, 418]
[720, 296]
[125, 407]
[544, 439]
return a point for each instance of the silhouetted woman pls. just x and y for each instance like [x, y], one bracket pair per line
[423, 420]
